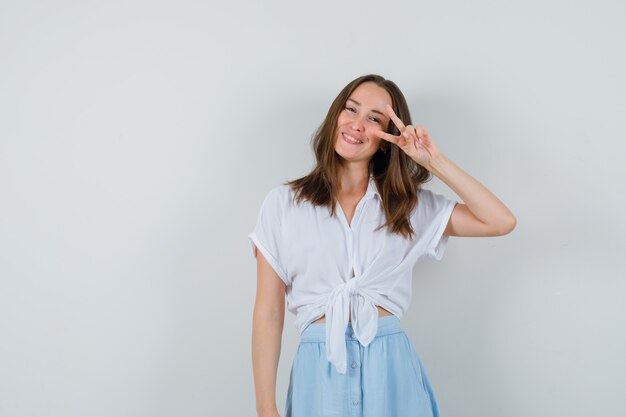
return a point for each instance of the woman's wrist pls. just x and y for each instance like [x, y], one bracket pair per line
[437, 164]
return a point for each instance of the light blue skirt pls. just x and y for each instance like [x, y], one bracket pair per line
[383, 379]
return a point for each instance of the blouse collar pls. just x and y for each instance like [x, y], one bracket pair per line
[372, 189]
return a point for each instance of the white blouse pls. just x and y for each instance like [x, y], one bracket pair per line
[316, 256]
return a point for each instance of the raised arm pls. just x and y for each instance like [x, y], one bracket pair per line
[267, 328]
[482, 213]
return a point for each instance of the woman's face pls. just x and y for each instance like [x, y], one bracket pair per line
[363, 114]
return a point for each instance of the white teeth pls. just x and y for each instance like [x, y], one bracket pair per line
[351, 139]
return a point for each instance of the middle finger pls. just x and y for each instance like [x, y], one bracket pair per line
[396, 120]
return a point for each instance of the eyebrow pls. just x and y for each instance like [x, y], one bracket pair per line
[374, 111]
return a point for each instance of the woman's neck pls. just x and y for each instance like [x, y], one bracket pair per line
[353, 180]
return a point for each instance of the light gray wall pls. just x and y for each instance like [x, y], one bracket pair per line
[138, 138]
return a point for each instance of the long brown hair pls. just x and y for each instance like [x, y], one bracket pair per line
[398, 178]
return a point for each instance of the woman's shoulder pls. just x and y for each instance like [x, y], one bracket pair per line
[280, 191]
[430, 195]
[279, 196]
[425, 193]
[430, 202]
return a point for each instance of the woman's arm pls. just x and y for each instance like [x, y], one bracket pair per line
[483, 214]
[267, 327]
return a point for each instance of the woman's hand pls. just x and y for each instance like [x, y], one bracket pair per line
[413, 140]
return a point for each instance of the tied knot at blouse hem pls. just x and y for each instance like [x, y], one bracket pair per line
[316, 255]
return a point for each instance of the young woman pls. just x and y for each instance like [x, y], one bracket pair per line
[341, 243]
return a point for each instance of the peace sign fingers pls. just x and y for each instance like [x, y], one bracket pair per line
[396, 140]
[399, 140]
[396, 120]
[415, 141]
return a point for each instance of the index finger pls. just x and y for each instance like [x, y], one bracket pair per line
[396, 120]
[388, 137]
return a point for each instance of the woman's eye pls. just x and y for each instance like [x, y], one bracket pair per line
[375, 119]
[350, 109]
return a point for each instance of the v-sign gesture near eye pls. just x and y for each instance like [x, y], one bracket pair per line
[482, 214]
[415, 141]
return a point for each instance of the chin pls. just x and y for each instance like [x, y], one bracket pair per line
[353, 158]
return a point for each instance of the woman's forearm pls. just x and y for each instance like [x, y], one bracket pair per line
[266, 343]
[479, 200]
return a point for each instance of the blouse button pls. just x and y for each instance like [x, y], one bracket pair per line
[355, 402]
[354, 365]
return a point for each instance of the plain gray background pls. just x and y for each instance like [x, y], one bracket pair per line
[138, 139]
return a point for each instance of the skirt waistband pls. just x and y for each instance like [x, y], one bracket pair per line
[316, 332]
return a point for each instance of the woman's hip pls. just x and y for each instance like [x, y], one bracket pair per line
[386, 377]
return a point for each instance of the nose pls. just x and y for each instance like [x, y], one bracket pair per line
[357, 123]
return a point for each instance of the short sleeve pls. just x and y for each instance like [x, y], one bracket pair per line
[429, 221]
[266, 235]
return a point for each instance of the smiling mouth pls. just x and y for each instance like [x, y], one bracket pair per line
[350, 139]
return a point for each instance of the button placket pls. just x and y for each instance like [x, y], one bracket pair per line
[354, 374]
[350, 242]
[355, 232]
